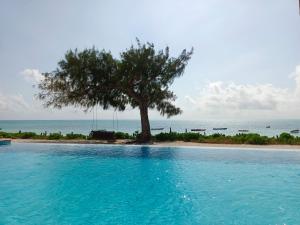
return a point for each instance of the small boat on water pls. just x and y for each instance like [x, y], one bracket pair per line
[294, 131]
[220, 128]
[198, 129]
[158, 128]
[268, 126]
[244, 131]
[5, 141]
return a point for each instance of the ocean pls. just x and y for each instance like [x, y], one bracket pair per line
[130, 126]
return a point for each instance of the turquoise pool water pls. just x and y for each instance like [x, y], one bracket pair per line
[93, 184]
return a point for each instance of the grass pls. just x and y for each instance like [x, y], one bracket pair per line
[251, 138]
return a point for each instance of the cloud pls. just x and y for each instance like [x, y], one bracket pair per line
[225, 99]
[12, 103]
[32, 75]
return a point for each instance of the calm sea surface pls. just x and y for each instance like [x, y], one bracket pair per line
[103, 184]
[130, 126]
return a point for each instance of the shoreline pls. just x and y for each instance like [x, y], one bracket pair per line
[166, 144]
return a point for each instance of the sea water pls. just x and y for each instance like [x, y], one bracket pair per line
[105, 184]
[85, 126]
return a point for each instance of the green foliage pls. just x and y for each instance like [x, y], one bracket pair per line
[55, 136]
[166, 136]
[27, 135]
[217, 135]
[190, 136]
[75, 136]
[173, 136]
[254, 139]
[286, 138]
[91, 77]
[122, 135]
[5, 135]
[21, 135]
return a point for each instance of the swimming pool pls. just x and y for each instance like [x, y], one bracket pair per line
[105, 184]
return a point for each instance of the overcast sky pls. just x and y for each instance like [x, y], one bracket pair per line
[244, 64]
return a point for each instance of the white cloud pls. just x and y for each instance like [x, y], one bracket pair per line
[32, 75]
[230, 99]
[12, 103]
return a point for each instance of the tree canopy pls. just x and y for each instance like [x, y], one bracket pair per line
[139, 78]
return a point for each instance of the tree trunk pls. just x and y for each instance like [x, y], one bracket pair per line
[146, 134]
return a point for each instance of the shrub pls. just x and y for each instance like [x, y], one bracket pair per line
[190, 136]
[55, 136]
[285, 138]
[5, 135]
[217, 135]
[256, 139]
[122, 135]
[27, 135]
[166, 136]
[75, 136]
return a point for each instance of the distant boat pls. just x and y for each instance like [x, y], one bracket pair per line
[220, 128]
[243, 130]
[198, 129]
[158, 128]
[268, 126]
[294, 131]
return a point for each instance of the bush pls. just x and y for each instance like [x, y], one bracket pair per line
[121, 135]
[5, 135]
[27, 135]
[285, 138]
[190, 136]
[75, 136]
[55, 136]
[166, 136]
[256, 139]
[217, 135]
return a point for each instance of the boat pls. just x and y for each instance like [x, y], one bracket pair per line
[198, 129]
[294, 131]
[220, 128]
[158, 128]
[268, 126]
[5, 141]
[243, 130]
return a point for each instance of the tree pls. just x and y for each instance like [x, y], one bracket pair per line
[140, 78]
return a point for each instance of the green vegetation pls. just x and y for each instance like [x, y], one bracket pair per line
[73, 136]
[251, 138]
[140, 78]
[56, 136]
[122, 135]
[20, 135]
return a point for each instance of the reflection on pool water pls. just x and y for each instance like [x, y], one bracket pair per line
[104, 184]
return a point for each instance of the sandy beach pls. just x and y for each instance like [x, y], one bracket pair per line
[169, 144]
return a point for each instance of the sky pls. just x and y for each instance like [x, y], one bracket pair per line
[246, 61]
